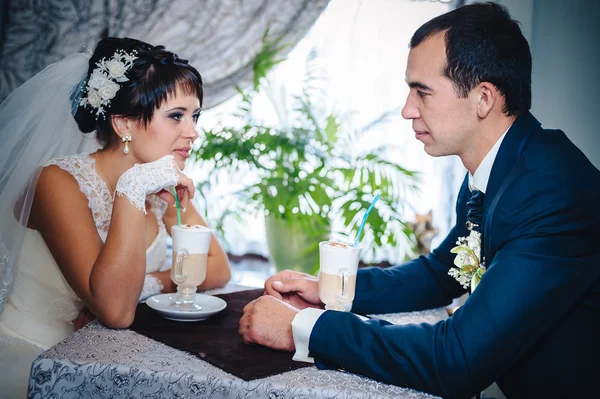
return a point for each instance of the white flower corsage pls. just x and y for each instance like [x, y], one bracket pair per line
[468, 270]
[103, 84]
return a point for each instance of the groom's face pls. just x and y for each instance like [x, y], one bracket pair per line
[442, 121]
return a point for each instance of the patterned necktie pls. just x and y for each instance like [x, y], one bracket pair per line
[475, 211]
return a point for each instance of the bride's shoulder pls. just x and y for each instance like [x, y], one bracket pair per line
[79, 162]
[80, 167]
[58, 197]
[55, 179]
[60, 174]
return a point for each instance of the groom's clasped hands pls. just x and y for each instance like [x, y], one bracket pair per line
[268, 320]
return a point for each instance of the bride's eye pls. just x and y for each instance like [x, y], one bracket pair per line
[196, 116]
[177, 116]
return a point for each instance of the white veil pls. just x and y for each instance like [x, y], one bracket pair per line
[36, 125]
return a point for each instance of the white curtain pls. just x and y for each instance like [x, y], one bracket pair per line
[219, 37]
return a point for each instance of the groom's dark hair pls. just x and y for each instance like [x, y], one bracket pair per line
[484, 44]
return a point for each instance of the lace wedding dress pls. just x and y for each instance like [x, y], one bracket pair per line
[40, 309]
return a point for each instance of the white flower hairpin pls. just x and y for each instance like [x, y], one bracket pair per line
[102, 85]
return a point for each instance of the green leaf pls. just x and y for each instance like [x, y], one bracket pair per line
[475, 281]
[267, 58]
[331, 128]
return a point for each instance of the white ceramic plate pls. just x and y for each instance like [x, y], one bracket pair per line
[210, 306]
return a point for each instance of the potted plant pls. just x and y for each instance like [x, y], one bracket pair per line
[307, 172]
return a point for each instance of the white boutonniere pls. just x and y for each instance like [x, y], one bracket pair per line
[468, 270]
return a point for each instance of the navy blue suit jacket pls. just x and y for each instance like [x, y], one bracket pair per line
[533, 323]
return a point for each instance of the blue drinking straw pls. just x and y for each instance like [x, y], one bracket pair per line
[364, 220]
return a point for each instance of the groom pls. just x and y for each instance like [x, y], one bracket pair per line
[533, 322]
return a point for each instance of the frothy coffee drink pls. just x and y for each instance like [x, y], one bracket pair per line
[330, 286]
[190, 253]
[193, 267]
[337, 277]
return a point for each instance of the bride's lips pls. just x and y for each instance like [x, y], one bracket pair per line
[183, 152]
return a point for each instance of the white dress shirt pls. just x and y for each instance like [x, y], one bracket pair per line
[479, 180]
[305, 320]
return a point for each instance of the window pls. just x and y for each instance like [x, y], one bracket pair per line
[362, 49]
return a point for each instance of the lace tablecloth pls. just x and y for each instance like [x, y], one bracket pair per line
[97, 362]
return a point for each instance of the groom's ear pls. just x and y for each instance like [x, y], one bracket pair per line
[488, 98]
[123, 125]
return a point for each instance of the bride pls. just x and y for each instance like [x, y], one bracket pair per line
[85, 232]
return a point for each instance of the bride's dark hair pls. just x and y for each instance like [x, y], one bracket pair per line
[155, 75]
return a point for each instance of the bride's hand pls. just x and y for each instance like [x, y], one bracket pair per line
[155, 177]
[185, 191]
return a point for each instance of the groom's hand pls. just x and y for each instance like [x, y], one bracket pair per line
[268, 321]
[300, 290]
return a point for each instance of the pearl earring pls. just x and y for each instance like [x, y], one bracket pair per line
[126, 140]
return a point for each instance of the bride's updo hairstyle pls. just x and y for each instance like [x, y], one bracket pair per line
[153, 76]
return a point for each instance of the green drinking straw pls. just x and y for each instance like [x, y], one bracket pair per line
[178, 206]
[364, 220]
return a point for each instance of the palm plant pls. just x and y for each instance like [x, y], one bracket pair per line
[308, 171]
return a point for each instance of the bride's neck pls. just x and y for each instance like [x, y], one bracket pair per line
[111, 163]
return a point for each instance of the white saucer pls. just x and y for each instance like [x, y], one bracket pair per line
[210, 306]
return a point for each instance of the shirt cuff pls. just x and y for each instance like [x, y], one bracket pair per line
[302, 326]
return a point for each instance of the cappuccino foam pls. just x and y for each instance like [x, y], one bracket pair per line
[337, 244]
[192, 226]
[195, 239]
[335, 255]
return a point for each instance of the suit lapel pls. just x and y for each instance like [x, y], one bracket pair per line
[512, 146]
[509, 151]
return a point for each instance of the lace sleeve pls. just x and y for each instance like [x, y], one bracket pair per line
[144, 179]
[152, 286]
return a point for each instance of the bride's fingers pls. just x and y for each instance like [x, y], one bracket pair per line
[181, 192]
[167, 196]
[184, 198]
[187, 183]
[185, 190]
